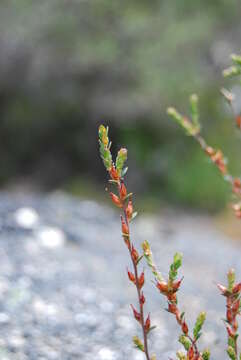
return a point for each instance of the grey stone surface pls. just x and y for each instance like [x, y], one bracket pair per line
[64, 292]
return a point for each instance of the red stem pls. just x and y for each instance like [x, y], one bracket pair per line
[142, 320]
[204, 145]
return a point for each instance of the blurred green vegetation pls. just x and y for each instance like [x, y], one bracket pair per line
[66, 66]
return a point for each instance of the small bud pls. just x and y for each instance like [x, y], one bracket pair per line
[124, 226]
[206, 354]
[185, 342]
[136, 314]
[120, 160]
[236, 306]
[123, 191]
[134, 255]
[181, 355]
[137, 342]
[175, 115]
[141, 280]
[176, 285]
[129, 209]
[115, 200]
[105, 147]
[237, 186]
[229, 316]
[114, 174]
[142, 299]
[237, 288]
[131, 276]
[172, 297]
[198, 324]
[237, 209]
[146, 248]
[235, 326]
[230, 332]
[223, 289]
[172, 308]
[184, 328]
[237, 182]
[238, 121]
[231, 279]
[147, 324]
[162, 286]
[103, 135]
[210, 151]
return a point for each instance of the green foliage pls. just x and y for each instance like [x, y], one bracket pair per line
[231, 353]
[120, 161]
[206, 354]
[198, 325]
[185, 342]
[177, 262]
[138, 344]
[105, 147]
[181, 355]
[231, 279]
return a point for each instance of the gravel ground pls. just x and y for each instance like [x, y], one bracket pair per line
[64, 292]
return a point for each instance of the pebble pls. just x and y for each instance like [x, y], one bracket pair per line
[26, 218]
[64, 293]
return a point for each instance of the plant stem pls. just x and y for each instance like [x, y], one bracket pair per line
[142, 321]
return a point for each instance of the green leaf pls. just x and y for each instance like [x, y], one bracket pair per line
[198, 325]
[120, 160]
[102, 132]
[152, 328]
[175, 115]
[231, 353]
[231, 342]
[105, 147]
[177, 262]
[206, 354]
[185, 342]
[137, 342]
[181, 355]
[231, 279]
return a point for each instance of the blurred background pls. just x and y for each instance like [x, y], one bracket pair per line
[67, 66]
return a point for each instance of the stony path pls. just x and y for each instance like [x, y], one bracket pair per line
[64, 292]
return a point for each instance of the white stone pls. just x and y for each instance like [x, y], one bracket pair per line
[26, 218]
[51, 237]
[106, 354]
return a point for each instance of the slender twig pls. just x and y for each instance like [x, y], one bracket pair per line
[124, 201]
[142, 320]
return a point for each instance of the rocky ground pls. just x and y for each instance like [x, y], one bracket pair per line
[64, 292]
